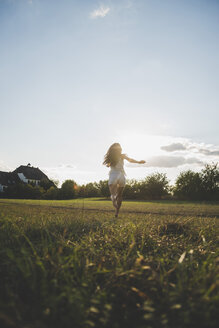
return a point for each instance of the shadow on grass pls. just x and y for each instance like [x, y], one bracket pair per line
[174, 228]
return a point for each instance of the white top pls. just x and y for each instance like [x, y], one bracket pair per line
[119, 167]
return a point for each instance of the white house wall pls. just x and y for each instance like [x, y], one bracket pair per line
[36, 182]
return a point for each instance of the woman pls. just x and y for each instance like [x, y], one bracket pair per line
[115, 160]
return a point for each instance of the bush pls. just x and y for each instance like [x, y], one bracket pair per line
[52, 193]
[132, 189]
[103, 188]
[188, 186]
[198, 186]
[26, 191]
[210, 182]
[155, 186]
[89, 190]
[46, 184]
[68, 189]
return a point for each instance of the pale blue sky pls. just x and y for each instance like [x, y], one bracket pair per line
[76, 76]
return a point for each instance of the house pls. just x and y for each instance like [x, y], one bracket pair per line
[30, 174]
[7, 179]
[25, 174]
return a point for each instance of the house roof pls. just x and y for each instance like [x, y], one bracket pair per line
[31, 172]
[8, 178]
[4, 178]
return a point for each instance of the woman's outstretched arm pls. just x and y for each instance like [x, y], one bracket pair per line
[131, 160]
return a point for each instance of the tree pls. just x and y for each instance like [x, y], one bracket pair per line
[52, 193]
[132, 189]
[103, 188]
[155, 186]
[68, 189]
[210, 181]
[189, 186]
[81, 191]
[202, 185]
[92, 190]
[26, 191]
[46, 184]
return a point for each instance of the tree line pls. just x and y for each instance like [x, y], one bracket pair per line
[189, 185]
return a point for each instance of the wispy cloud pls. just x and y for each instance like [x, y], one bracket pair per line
[191, 147]
[174, 147]
[164, 161]
[209, 152]
[171, 161]
[102, 11]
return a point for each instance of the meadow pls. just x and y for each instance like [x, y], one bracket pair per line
[72, 264]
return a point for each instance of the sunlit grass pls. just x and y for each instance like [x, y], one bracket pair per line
[72, 267]
[158, 207]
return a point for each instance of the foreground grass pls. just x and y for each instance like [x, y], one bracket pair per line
[66, 266]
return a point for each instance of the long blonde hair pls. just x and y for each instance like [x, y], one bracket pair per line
[113, 155]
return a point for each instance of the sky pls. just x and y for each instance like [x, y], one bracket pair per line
[77, 76]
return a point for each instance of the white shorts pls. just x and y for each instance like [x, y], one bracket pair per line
[117, 178]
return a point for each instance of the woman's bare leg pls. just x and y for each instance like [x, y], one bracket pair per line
[119, 199]
[113, 192]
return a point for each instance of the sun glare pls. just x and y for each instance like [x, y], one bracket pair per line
[143, 146]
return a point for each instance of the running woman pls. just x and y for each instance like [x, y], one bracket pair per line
[115, 160]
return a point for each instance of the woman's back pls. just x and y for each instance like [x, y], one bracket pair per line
[119, 166]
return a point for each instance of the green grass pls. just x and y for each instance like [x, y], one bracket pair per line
[157, 207]
[72, 264]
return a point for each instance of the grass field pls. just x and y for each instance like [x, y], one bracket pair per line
[72, 264]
